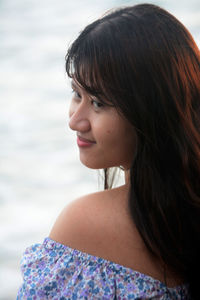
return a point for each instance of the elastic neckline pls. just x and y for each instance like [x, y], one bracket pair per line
[117, 268]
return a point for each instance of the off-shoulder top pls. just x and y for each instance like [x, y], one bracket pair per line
[55, 271]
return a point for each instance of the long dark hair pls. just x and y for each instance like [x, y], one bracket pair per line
[146, 63]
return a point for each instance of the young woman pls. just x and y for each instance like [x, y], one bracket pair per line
[136, 105]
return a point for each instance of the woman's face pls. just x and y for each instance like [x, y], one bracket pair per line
[105, 139]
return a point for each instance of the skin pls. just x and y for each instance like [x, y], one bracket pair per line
[113, 135]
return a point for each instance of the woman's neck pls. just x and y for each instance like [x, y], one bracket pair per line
[127, 176]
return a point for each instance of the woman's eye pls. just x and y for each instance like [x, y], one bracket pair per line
[76, 94]
[96, 104]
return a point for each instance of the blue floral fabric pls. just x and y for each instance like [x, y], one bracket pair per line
[55, 271]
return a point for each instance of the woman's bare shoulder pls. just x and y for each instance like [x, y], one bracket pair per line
[99, 224]
[81, 224]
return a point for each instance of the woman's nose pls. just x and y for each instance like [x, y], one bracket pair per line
[78, 118]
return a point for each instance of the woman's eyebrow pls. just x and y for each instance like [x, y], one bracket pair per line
[73, 84]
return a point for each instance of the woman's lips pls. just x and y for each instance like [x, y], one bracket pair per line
[82, 142]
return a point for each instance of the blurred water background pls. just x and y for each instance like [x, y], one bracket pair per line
[39, 166]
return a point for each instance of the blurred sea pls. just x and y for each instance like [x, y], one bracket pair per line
[39, 166]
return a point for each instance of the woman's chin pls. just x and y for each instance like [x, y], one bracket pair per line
[94, 163]
[91, 165]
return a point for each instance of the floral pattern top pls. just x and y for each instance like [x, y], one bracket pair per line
[55, 271]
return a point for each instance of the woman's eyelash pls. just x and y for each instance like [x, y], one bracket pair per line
[76, 93]
[96, 103]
